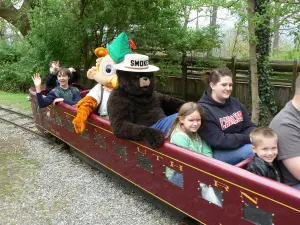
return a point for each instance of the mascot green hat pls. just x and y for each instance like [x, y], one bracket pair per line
[119, 48]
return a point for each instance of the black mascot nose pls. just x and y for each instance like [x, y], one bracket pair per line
[145, 78]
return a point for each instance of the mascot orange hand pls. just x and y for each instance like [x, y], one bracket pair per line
[84, 108]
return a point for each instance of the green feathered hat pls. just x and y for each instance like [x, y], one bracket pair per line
[119, 48]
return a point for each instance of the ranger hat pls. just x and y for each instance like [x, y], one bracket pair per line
[136, 63]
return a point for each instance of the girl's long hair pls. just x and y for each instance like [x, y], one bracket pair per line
[185, 110]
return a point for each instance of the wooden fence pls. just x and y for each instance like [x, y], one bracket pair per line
[191, 84]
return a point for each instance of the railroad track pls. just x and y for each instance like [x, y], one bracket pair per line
[20, 120]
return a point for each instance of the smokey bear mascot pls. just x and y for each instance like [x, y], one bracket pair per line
[136, 111]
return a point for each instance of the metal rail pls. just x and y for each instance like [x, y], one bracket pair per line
[21, 125]
[14, 112]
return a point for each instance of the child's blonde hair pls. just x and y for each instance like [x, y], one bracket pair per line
[185, 110]
[261, 133]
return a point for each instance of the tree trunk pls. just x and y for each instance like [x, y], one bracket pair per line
[276, 33]
[197, 20]
[253, 63]
[2, 28]
[184, 75]
[213, 22]
[17, 17]
[186, 15]
[213, 18]
[236, 39]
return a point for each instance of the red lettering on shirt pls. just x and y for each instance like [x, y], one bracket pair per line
[228, 121]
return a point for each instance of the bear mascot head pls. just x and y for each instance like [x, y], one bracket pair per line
[136, 111]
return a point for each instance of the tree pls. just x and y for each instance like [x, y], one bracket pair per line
[263, 34]
[70, 30]
[213, 23]
[253, 63]
[17, 17]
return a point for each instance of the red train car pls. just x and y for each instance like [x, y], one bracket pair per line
[246, 198]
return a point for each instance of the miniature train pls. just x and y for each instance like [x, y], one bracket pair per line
[246, 198]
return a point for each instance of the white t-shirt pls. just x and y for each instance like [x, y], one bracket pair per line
[95, 92]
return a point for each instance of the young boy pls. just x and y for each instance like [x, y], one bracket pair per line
[63, 93]
[51, 79]
[264, 145]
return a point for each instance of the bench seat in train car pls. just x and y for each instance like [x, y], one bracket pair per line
[246, 198]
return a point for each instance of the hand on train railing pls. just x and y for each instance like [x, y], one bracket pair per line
[79, 124]
[57, 100]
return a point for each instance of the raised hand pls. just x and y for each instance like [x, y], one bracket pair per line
[72, 70]
[37, 79]
[92, 72]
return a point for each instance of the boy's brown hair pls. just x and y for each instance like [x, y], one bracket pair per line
[64, 71]
[261, 133]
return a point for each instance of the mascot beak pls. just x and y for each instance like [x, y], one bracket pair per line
[114, 81]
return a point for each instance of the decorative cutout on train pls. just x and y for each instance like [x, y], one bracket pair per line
[174, 176]
[85, 134]
[46, 114]
[100, 140]
[36, 112]
[120, 150]
[210, 194]
[256, 215]
[58, 120]
[144, 162]
[69, 125]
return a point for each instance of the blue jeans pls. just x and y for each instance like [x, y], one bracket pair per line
[233, 156]
[165, 123]
[297, 186]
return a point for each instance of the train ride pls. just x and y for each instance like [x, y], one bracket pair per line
[245, 198]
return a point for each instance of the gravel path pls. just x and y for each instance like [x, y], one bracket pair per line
[41, 183]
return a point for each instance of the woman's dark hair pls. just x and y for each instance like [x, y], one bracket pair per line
[62, 70]
[214, 75]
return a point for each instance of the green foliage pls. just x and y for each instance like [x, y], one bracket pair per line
[284, 53]
[56, 33]
[15, 68]
[69, 31]
[168, 68]
[207, 63]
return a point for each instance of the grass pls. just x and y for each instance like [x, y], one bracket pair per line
[16, 100]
